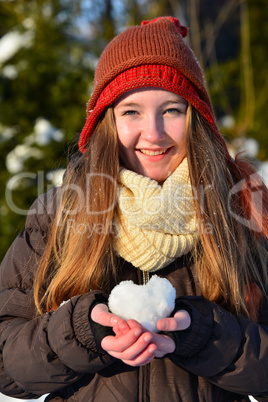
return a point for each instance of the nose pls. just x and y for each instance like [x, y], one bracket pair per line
[153, 128]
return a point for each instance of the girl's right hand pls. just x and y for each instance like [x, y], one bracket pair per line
[102, 316]
[132, 343]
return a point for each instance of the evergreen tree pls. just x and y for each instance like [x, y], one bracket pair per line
[258, 16]
[48, 53]
[45, 75]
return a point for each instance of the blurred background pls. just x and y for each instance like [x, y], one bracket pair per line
[49, 50]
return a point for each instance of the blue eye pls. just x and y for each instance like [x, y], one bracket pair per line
[173, 110]
[129, 112]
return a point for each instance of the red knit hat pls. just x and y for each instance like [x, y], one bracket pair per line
[151, 55]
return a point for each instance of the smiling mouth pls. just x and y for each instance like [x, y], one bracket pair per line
[153, 153]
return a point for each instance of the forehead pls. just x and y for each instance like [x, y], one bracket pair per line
[141, 94]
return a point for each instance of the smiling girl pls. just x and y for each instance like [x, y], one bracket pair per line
[154, 181]
[150, 125]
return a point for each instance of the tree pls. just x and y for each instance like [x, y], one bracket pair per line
[258, 15]
[45, 72]
[49, 50]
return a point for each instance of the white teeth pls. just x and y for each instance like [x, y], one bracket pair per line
[153, 153]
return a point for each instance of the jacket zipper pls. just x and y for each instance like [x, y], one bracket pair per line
[145, 383]
[145, 277]
[145, 370]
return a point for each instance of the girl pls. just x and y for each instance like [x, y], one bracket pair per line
[153, 190]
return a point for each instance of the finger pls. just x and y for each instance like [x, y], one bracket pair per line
[121, 328]
[102, 316]
[136, 324]
[138, 347]
[144, 357]
[164, 344]
[179, 322]
[121, 343]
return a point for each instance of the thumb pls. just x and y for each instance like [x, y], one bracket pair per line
[180, 321]
[101, 315]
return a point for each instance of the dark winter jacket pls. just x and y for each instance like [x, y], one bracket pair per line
[220, 358]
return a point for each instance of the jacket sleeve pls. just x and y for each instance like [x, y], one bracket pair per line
[230, 351]
[41, 354]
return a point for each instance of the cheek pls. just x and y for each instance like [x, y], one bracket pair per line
[123, 134]
[178, 133]
[126, 137]
[127, 157]
[125, 145]
[124, 151]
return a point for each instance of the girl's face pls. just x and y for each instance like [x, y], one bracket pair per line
[150, 124]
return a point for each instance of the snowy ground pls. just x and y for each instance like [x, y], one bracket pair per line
[4, 398]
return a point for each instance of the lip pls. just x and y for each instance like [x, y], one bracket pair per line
[153, 151]
[153, 155]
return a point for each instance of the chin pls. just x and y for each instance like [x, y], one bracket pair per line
[158, 178]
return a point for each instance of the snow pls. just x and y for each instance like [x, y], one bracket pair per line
[4, 398]
[16, 158]
[131, 301]
[227, 121]
[263, 171]
[29, 23]
[6, 133]
[44, 132]
[55, 176]
[12, 42]
[248, 146]
[10, 71]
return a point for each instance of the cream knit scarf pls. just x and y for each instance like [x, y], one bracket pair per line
[156, 224]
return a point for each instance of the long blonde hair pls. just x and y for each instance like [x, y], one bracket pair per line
[231, 254]
[74, 263]
[79, 254]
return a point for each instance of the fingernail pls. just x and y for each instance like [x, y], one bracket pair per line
[164, 326]
[151, 349]
[148, 338]
[137, 332]
[113, 320]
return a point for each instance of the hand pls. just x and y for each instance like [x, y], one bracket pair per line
[164, 343]
[127, 344]
[179, 322]
[102, 316]
[132, 343]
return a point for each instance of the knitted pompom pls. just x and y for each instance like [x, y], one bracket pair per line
[182, 30]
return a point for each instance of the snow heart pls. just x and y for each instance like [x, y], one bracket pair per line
[144, 303]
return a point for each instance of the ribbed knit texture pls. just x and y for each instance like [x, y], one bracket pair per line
[155, 43]
[156, 224]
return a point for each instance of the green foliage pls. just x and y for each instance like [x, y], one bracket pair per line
[49, 78]
[258, 16]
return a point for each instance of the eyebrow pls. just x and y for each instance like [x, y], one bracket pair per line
[182, 101]
[167, 102]
[128, 104]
